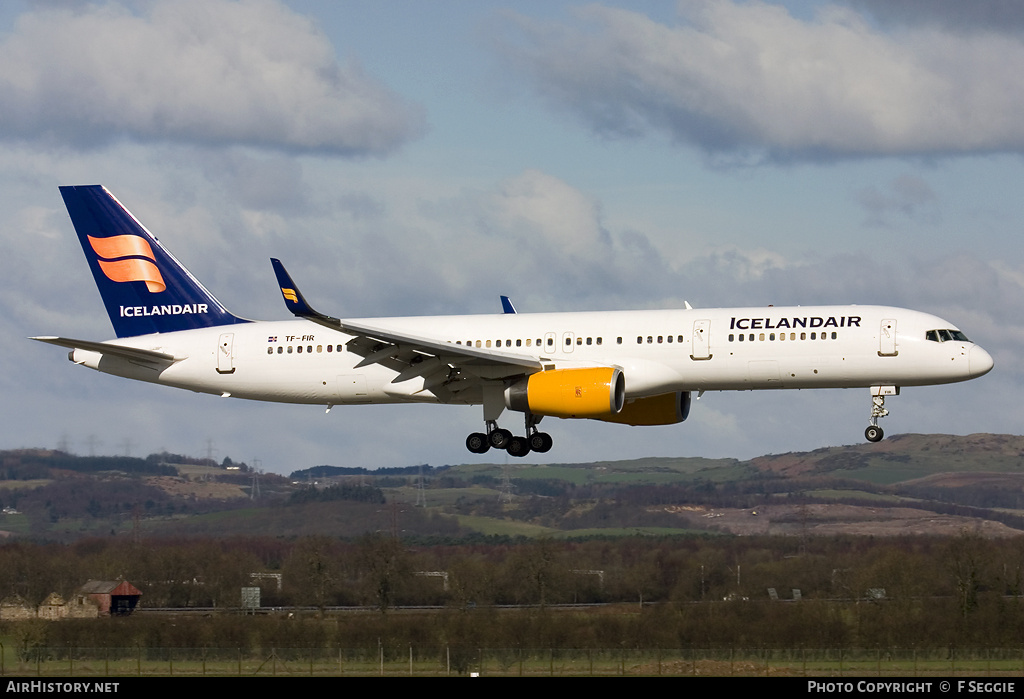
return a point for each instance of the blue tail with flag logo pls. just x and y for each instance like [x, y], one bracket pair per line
[144, 288]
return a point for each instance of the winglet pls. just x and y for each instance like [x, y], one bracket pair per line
[293, 299]
[506, 305]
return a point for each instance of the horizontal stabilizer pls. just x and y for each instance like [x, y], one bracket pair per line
[131, 353]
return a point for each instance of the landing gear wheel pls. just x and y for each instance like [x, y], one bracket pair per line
[874, 433]
[499, 438]
[540, 442]
[477, 443]
[518, 446]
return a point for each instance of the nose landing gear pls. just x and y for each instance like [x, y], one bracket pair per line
[874, 433]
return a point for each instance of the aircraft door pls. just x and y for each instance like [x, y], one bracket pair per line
[701, 339]
[549, 342]
[226, 354]
[568, 340]
[887, 338]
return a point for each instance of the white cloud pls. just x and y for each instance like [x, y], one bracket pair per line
[750, 80]
[192, 71]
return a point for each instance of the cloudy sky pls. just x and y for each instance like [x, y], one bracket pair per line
[408, 158]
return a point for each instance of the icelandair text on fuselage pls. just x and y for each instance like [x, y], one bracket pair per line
[176, 309]
[790, 323]
[61, 687]
[868, 687]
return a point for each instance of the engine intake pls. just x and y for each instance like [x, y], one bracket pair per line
[585, 393]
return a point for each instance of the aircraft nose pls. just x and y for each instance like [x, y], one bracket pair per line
[979, 362]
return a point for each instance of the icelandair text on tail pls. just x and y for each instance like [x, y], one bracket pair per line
[176, 309]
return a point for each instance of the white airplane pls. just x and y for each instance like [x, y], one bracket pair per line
[629, 367]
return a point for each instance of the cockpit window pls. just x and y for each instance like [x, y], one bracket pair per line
[945, 335]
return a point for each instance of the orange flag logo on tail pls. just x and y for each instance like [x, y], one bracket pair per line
[128, 258]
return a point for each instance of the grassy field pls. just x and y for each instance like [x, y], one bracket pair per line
[444, 661]
[649, 470]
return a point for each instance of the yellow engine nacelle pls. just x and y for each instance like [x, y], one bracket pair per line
[666, 409]
[590, 392]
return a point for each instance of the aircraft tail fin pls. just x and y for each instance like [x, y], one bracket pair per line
[144, 288]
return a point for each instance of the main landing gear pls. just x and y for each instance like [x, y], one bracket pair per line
[874, 433]
[540, 442]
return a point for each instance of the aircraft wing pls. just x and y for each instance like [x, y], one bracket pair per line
[130, 353]
[424, 345]
[444, 365]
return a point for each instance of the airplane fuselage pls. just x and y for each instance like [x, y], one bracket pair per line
[298, 361]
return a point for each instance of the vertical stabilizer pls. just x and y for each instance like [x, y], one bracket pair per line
[145, 289]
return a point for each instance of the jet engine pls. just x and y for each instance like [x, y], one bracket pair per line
[666, 409]
[589, 392]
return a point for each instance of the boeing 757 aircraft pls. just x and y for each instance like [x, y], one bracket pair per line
[629, 367]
